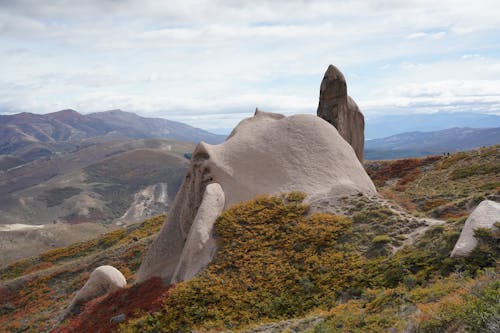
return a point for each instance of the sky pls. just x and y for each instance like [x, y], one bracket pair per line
[211, 63]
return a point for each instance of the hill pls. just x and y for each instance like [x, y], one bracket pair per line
[440, 186]
[29, 136]
[388, 125]
[105, 183]
[415, 144]
[372, 267]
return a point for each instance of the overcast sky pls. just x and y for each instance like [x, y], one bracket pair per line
[210, 63]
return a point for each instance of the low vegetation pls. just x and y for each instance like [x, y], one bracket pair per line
[34, 301]
[277, 262]
[59, 255]
[445, 187]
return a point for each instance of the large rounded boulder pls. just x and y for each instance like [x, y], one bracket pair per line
[265, 154]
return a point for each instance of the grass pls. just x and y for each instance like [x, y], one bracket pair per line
[440, 187]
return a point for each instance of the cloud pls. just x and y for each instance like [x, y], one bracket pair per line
[482, 96]
[430, 35]
[213, 62]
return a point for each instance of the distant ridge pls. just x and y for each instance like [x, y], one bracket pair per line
[414, 144]
[384, 126]
[30, 136]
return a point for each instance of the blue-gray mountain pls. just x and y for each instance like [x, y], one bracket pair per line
[414, 144]
[387, 125]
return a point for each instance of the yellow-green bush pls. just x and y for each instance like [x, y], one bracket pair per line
[276, 262]
[273, 262]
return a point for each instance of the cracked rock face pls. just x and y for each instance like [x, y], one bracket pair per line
[486, 214]
[340, 110]
[265, 154]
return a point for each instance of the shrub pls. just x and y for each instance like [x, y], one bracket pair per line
[475, 169]
[381, 239]
[273, 262]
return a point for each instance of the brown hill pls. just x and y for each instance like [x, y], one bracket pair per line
[30, 136]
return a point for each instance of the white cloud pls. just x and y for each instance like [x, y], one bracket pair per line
[430, 35]
[210, 62]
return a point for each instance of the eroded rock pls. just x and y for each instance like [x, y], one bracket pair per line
[340, 110]
[265, 154]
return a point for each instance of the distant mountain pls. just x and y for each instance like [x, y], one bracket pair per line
[131, 125]
[384, 126]
[415, 144]
[29, 136]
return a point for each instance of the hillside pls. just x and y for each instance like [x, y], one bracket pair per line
[371, 268]
[48, 281]
[104, 183]
[415, 144]
[440, 186]
[29, 136]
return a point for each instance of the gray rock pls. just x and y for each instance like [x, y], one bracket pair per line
[118, 319]
[340, 110]
[103, 280]
[486, 214]
[200, 245]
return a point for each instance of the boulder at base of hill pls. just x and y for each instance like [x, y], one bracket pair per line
[340, 110]
[265, 154]
[484, 216]
[103, 280]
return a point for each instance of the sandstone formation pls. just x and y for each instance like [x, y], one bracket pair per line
[484, 216]
[103, 280]
[340, 110]
[265, 154]
[200, 245]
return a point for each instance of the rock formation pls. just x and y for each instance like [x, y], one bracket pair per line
[265, 154]
[103, 280]
[484, 216]
[340, 110]
[200, 245]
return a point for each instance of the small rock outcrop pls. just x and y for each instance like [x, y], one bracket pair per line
[265, 154]
[103, 280]
[484, 216]
[340, 110]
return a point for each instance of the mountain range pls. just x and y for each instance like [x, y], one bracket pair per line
[388, 125]
[414, 144]
[28, 136]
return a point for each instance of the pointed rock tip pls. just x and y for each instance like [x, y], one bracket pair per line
[333, 73]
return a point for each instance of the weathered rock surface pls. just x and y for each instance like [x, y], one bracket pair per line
[103, 280]
[484, 216]
[265, 154]
[200, 245]
[340, 110]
